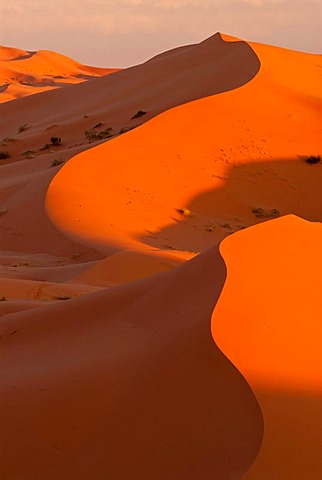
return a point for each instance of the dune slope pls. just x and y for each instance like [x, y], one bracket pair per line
[25, 73]
[106, 331]
[92, 107]
[243, 161]
[272, 332]
[127, 383]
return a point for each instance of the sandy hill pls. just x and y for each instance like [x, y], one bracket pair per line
[135, 355]
[24, 73]
[243, 161]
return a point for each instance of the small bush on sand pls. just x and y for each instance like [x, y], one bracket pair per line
[92, 135]
[185, 212]
[313, 159]
[29, 154]
[56, 141]
[57, 162]
[262, 213]
[105, 133]
[4, 155]
[22, 128]
[139, 114]
[127, 129]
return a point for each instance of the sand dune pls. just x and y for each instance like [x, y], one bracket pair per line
[211, 67]
[107, 313]
[127, 384]
[275, 320]
[25, 73]
[263, 130]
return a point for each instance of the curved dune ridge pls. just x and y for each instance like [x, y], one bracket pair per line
[127, 384]
[110, 101]
[111, 317]
[272, 332]
[257, 132]
[25, 73]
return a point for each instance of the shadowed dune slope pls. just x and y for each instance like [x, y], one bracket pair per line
[268, 323]
[127, 383]
[25, 73]
[193, 72]
[142, 178]
[127, 265]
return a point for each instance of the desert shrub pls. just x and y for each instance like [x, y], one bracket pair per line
[262, 213]
[139, 114]
[29, 153]
[22, 128]
[313, 159]
[57, 162]
[185, 212]
[92, 135]
[105, 133]
[63, 297]
[127, 129]
[4, 155]
[55, 141]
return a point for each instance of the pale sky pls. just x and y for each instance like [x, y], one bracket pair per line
[120, 33]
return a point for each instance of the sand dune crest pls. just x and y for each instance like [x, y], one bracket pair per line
[128, 382]
[25, 73]
[274, 272]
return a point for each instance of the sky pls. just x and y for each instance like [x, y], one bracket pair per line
[121, 33]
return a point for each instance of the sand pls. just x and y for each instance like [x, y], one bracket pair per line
[159, 270]
[276, 313]
[25, 73]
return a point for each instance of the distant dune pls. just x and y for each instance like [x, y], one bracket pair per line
[160, 266]
[25, 73]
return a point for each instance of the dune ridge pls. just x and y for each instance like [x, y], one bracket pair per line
[24, 73]
[190, 390]
[115, 328]
[238, 130]
[276, 338]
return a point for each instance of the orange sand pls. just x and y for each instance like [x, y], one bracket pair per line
[257, 133]
[106, 312]
[26, 73]
[270, 327]
[127, 383]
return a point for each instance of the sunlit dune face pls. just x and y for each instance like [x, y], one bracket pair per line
[268, 323]
[268, 318]
[245, 150]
